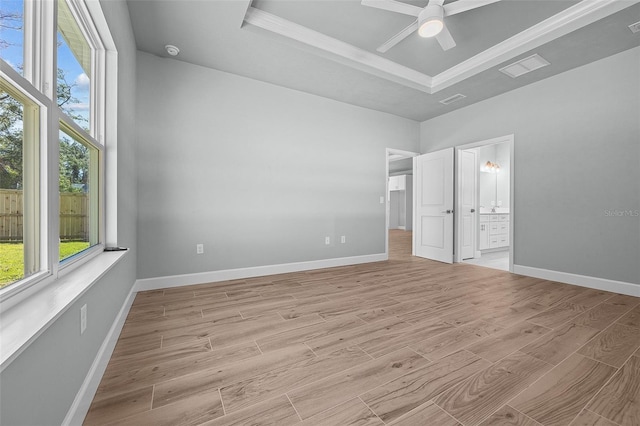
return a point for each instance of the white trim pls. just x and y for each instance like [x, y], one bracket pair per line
[577, 16]
[345, 53]
[80, 406]
[106, 73]
[157, 283]
[405, 154]
[457, 202]
[580, 280]
[110, 141]
[22, 323]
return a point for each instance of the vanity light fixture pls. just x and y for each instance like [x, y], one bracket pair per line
[491, 167]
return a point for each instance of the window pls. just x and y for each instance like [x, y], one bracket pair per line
[74, 68]
[78, 183]
[53, 109]
[19, 189]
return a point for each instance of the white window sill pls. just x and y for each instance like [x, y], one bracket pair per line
[21, 324]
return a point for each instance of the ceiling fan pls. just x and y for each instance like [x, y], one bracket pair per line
[430, 19]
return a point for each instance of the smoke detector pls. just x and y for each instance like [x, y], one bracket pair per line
[172, 50]
[635, 28]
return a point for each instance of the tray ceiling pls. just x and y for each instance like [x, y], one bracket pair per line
[328, 48]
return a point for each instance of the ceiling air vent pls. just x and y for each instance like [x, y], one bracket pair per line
[524, 66]
[452, 99]
[635, 27]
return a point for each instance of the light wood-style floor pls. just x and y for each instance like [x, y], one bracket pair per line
[402, 342]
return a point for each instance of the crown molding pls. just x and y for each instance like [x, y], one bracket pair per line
[338, 50]
[577, 16]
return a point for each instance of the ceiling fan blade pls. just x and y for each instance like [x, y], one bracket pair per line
[445, 39]
[398, 37]
[394, 6]
[464, 5]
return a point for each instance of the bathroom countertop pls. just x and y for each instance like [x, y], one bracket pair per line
[498, 211]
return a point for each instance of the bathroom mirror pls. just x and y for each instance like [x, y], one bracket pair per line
[494, 171]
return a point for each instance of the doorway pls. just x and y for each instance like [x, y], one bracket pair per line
[484, 203]
[399, 194]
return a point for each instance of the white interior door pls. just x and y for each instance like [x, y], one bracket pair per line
[433, 201]
[467, 165]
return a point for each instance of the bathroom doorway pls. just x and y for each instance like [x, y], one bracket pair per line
[485, 203]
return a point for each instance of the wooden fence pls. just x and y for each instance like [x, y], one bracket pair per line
[74, 216]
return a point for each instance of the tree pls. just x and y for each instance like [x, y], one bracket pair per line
[9, 21]
[10, 114]
[74, 157]
[10, 142]
[74, 166]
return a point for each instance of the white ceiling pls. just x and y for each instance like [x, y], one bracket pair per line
[328, 47]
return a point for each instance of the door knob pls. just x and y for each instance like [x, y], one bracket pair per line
[473, 210]
[447, 211]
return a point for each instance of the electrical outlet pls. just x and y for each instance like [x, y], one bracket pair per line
[343, 239]
[199, 248]
[327, 240]
[83, 318]
[382, 199]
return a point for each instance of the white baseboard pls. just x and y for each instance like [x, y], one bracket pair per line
[581, 280]
[257, 271]
[82, 401]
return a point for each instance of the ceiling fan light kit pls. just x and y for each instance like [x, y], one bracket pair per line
[431, 21]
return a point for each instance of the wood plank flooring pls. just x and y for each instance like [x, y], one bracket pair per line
[403, 342]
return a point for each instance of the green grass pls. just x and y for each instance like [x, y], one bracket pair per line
[11, 263]
[72, 247]
[12, 258]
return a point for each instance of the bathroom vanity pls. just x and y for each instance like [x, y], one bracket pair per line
[494, 230]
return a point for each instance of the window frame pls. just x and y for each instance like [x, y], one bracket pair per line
[34, 134]
[38, 85]
[73, 130]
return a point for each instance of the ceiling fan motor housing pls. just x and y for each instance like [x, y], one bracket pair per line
[431, 20]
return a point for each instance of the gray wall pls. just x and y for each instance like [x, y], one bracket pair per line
[577, 159]
[257, 173]
[40, 385]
